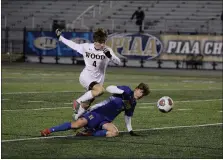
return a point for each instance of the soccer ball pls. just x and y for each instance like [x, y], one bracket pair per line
[165, 104]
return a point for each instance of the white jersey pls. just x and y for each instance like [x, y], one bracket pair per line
[95, 61]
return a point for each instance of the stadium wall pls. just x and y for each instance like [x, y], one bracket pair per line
[136, 50]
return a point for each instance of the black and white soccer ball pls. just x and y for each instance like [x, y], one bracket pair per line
[165, 104]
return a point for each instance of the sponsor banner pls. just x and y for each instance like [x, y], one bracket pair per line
[135, 46]
[132, 46]
[167, 47]
[46, 44]
[178, 47]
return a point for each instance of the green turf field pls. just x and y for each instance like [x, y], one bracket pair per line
[38, 96]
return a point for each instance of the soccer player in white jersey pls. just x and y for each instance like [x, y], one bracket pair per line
[96, 57]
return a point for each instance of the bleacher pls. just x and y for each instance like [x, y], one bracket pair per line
[168, 16]
[20, 14]
[165, 16]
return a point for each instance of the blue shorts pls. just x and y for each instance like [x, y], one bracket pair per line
[95, 120]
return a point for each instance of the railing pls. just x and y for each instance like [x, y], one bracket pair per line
[167, 25]
[88, 11]
[92, 9]
[80, 17]
[171, 25]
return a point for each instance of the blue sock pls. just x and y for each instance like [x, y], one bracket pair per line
[63, 127]
[100, 133]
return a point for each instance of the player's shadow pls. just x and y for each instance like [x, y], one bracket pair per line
[73, 137]
[80, 138]
[121, 134]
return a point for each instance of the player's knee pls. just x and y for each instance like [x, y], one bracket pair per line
[115, 133]
[79, 123]
[74, 125]
[99, 90]
[85, 105]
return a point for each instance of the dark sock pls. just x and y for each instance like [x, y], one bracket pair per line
[100, 133]
[63, 127]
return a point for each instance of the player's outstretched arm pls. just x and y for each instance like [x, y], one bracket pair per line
[115, 59]
[129, 125]
[69, 43]
[111, 55]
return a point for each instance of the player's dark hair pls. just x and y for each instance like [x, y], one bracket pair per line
[145, 88]
[100, 35]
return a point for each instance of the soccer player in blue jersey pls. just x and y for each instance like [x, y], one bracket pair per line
[99, 118]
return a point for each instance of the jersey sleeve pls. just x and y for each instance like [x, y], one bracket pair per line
[75, 46]
[114, 90]
[126, 89]
[130, 106]
[114, 59]
[130, 112]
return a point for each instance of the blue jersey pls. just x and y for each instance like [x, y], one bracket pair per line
[112, 107]
[108, 110]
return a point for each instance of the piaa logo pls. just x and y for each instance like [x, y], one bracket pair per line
[45, 43]
[135, 45]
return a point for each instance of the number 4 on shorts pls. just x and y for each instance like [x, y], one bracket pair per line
[94, 63]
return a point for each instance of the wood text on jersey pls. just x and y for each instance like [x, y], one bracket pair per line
[94, 56]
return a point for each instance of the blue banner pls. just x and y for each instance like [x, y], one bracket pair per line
[135, 46]
[45, 43]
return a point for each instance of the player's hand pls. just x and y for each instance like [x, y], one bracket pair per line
[107, 53]
[58, 32]
[133, 134]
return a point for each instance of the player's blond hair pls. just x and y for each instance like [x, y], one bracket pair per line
[100, 35]
[145, 88]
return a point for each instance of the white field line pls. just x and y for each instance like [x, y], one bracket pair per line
[38, 92]
[5, 99]
[199, 100]
[35, 101]
[163, 128]
[69, 103]
[219, 111]
[36, 74]
[184, 109]
[36, 109]
[146, 107]
[82, 91]
[119, 78]
[16, 73]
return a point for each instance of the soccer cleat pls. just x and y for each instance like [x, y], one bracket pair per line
[45, 132]
[76, 106]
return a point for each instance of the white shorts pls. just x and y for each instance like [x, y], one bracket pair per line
[86, 79]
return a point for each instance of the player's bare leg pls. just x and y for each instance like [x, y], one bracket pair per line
[108, 130]
[112, 130]
[97, 90]
[81, 122]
